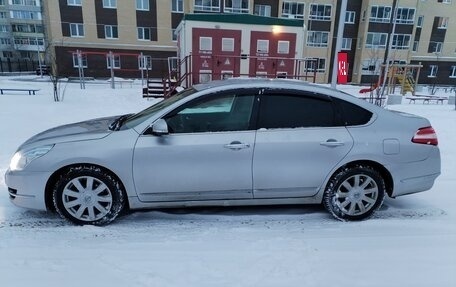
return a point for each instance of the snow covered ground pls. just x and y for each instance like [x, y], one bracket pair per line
[410, 242]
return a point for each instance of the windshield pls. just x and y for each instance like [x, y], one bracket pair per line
[140, 117]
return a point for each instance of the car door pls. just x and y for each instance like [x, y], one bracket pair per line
[207, 154]
[299, 141]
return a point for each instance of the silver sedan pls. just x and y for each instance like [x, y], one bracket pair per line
[231, 142]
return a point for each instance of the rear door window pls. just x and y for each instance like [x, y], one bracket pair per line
[287, 110]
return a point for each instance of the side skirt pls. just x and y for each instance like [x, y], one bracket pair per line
[135, 203]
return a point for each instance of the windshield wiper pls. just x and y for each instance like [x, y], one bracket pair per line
[117, 123]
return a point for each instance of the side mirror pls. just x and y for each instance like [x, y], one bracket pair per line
[160, 127]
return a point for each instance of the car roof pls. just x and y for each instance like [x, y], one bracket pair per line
[244, 82]
[286, 84]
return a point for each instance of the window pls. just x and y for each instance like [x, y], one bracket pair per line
[283, 47]
[142, 5]
[145, 62]
[352, 115]
[76, 60]
[205, 43]
[433, 71]
[415, 46]
[405, 15]
[7, 54]
[442, 22]
[318, 64]
[3, 15]
[420, 21]
[435, 47]
[2, 2]
[5, 41]
[112, 4]
[205, 76]
[207, 5]
[401, 41]
[76, 30]
[263, 46]
[262, 10]
[346, 43]
[30, 15]
[317, 39]
[380, 14]
[227, 44]
[320, 12]
[114, 59]
[27, 28]
[370, 66]
[143, 33]
[236, 6]
[217, 113]
[374, 40]
[350, 17]
[23, 2]
[28, 41]
[4, 28]
[74, 2]
[177, 6]
[283, 110]
[444, 1]
[453, 72]
[111, 32]
[293, 10]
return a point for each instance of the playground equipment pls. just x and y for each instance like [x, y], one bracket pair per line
[370, 89]
[403, 75]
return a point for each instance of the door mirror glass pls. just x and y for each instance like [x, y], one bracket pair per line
[160, 127]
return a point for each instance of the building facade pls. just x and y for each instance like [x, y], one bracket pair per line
[141, 34]
[21, 30]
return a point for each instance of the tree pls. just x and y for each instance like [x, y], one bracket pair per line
[54, 76]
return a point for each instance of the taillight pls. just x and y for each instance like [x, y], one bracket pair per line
[425, 135]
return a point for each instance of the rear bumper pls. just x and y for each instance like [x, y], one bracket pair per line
[27, 189]
[416, 176]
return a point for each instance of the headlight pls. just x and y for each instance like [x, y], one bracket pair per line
[22, 158]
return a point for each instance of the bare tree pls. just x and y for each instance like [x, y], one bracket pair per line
[55, 77]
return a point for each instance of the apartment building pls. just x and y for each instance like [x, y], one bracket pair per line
[136, 34]
[21, 29]
[141, 34]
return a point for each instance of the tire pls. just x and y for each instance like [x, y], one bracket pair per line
[354, 193]
[88, 195]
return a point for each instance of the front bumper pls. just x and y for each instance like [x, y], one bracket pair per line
[27, 189]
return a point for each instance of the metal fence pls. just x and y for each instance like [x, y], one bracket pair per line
[17, 65]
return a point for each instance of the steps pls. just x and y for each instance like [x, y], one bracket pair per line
[158, 88]
[407, 82]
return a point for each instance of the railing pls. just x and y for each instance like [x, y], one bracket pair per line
[185, 76]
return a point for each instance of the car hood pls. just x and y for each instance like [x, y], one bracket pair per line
[86, 130]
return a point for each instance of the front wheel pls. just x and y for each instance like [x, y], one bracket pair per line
[88, 195]
[354, 193]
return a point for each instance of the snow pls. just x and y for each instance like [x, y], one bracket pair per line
[410, 242]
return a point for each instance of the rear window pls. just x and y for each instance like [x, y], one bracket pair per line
[353, 115]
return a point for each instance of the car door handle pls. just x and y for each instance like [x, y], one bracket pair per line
[236, 145]
[331, 143]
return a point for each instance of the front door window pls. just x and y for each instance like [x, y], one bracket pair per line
[219, 113]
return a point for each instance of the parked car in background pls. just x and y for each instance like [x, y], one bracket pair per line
[230, 142]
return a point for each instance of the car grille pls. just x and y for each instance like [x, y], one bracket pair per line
[12, 193]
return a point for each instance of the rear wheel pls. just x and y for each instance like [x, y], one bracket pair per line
[354, 193]
[88, 195]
